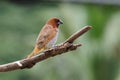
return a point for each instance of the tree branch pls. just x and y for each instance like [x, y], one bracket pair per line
[78, 34]
[62, 48]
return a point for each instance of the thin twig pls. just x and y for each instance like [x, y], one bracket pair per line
[78, 34]
[28, 63]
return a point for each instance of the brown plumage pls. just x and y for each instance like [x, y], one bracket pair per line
[47, 36]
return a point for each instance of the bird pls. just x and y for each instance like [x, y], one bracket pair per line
[47, 36]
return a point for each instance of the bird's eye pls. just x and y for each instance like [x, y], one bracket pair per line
[57, 21]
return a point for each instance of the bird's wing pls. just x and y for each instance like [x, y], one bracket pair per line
[46, 34]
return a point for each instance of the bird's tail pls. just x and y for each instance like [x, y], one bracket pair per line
[35, 52]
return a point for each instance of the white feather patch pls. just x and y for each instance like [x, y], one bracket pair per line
[52, 42]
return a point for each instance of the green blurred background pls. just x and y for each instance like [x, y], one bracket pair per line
[97, 59]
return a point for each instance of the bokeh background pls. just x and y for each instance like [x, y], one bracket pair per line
[97, 59]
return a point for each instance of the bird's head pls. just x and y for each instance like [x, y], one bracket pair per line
[55, 22]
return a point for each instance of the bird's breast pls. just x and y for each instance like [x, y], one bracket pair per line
[52, 42]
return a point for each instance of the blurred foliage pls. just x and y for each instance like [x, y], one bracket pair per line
[97, 59]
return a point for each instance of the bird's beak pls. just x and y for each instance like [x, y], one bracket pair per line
[60, 22]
